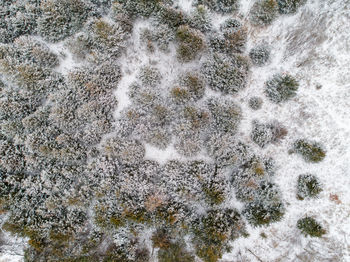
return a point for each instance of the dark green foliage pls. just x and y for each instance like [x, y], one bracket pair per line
[175, 252]
[255, 103]
[260, 55]
[221, 6]
[309, 226]
[260, 213]
[263, 134]
[191, 43]
[289, 6]
[213, 232]
[281, 87]
[61, 18]
[263, 12]
[226, 74]
[309, 150]
[308, 186]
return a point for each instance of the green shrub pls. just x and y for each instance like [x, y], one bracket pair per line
[226, 74]
[281, 88]
[309, 150]
[260, 55]
[191, 43]
[289, 6]
[263, 12]
[200, 19]
[150, 76]
[308, 186]
[309, 226]
[255, 103]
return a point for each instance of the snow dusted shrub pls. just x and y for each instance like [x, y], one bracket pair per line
[260, 55]
[200, 19]
[281, 87]
[221, 6]
[61, 18]
[17, 18]
[261, 212]
[214, 230]
[172, 17]
[191, 43]
[150, 76]
[308, 186]
[310, 151]
[175, 251]
[226, 74]
[264, 12]
[191, 88]
[126, 151]
[225, 115]
[226, 150]
[289, 6]
[263, 134]
[255, 103]
[310, 227]
[137, 8]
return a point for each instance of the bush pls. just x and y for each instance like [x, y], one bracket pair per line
[289, 6]
[309, 226]
[61, 18]
[231, 39]
[260, 212]
[308, 186]
[225, 116]
[309, 150]
[226, 74]
[175, 252]
[200, 19]
[255, 103]
[191, 43]
[263, 134]
[221, 6]
[260, 55]
[263, 12]
[191, 88]
[281, 88]
[126, 151]
[150, 76]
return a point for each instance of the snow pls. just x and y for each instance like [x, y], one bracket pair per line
[314, 45]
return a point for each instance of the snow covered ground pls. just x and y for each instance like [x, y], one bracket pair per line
[314, 45]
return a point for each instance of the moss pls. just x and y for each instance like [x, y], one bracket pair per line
[260, 55]
[255, 103]
[308, 186]
[263, 12]
[281, 87]
[309, 150]
[191, 43]
[289, 6]
[309, 226]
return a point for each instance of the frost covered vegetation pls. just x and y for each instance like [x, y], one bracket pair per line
[75, 179]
